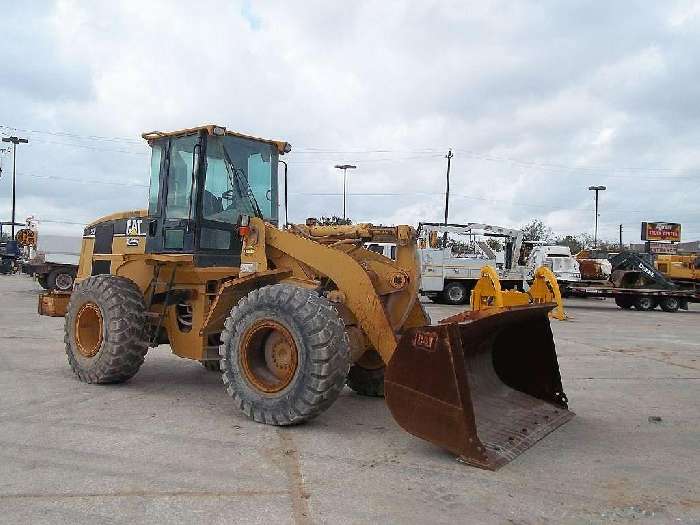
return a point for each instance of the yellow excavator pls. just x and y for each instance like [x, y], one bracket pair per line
[289, 314]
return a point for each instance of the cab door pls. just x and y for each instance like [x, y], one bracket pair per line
[172, 207]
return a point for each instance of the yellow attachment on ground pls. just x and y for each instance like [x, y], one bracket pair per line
[487, 292]
[545, 289]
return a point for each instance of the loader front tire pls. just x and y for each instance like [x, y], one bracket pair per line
[284, 354]
[105, 329]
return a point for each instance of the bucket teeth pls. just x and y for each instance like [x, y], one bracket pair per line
[486, 390]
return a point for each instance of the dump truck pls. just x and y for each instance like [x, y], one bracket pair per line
[288, 314]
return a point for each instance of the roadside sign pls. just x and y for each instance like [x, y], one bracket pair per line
[661, 231]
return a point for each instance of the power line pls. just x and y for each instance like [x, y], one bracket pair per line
[90, 181]
[85, 146]
[75, 135]
[652, 172]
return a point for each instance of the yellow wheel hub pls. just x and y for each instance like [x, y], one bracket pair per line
[269, 357]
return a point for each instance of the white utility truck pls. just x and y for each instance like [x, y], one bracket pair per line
[449, 277]
[54, 261]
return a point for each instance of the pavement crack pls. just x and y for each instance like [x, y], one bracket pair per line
[144, 494]
[292, 466]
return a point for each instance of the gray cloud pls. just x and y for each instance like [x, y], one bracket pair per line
[538, 100]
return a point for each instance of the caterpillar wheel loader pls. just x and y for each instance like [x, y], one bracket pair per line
[290, 315]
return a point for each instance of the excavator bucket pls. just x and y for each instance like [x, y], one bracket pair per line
[485, 385]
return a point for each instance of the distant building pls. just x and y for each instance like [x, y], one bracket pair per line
[692, 246]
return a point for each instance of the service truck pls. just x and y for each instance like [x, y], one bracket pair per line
[54, 261]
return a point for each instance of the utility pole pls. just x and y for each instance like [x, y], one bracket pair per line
[15, 141]
[345, 168]
[447, 189]
[447, 194]
[620, 237]
[596, 189]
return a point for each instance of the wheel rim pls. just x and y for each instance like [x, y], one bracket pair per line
[64, 281]
[88, 329]
[455, 293]
[672, 303]
[269, 356]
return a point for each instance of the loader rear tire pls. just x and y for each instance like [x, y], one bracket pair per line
[284, 354]
[105, 329]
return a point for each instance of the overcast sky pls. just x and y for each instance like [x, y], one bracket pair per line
[537, 101]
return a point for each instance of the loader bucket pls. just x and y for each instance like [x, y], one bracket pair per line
[486, 390]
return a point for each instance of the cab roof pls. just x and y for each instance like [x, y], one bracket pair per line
[212, 129]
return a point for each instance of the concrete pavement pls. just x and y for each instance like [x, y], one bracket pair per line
[169, 446]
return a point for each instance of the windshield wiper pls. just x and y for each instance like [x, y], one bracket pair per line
[242, 184]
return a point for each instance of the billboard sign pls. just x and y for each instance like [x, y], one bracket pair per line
[660, 248]
[661, 231]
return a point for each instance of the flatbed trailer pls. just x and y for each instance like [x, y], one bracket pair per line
[640, 298]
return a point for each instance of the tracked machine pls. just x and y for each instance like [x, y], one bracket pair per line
[290, 314]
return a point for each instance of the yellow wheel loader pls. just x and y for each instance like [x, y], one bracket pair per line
[290, 315]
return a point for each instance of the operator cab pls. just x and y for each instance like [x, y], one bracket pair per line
[202, 180]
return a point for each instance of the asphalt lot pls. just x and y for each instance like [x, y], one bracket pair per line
[168, 446]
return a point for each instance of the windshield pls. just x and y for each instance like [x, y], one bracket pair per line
[241, 179]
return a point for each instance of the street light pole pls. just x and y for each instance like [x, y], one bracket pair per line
[2, 152]
[345, 168]
[15, 141]
[596, 189]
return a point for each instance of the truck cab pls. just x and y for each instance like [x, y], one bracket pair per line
[557, 258]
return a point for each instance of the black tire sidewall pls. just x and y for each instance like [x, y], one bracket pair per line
[53, 275]
[323, 354]
[454, 285]
[645, 307]
[117, 359]
[366, 381]
[675, 304]
[273, 401]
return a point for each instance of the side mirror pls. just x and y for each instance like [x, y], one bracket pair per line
[153, 227]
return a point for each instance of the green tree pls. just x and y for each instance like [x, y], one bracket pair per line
[536, 230]
[495, 244]
[576, 243]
